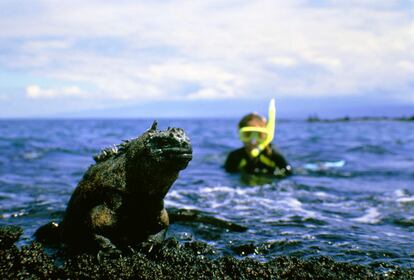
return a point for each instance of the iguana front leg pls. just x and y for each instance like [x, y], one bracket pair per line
[158, 237]
[102, 222]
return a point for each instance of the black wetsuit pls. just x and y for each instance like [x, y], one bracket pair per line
[273, 164]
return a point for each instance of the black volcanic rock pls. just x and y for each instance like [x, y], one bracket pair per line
[172, 260]
[9, 235]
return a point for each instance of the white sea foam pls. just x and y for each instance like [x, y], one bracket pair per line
[174, 194]
[296, 206]
[224, 189]
[240, 208]
[325, 195]
[293, 203]
[324, 165]
[409, 199]
[321, 194]
[400, 193]
[216, 205]
[170, 203]
[13, 215]
[403, 196]
[372, 216]
[31, 155]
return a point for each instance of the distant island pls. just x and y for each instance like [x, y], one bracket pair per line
[315, 118]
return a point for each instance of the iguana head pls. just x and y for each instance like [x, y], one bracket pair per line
[154, 159]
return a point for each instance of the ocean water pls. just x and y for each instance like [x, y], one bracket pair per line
[351, 196]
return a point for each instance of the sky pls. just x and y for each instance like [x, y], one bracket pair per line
[205, 58]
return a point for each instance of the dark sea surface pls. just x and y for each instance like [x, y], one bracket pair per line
[351, 196]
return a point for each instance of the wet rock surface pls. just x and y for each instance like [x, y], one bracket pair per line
[172, 260]
[9, 235]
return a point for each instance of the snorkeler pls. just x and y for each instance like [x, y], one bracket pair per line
[257, 156]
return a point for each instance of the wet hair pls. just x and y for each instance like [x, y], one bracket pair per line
[252, 116]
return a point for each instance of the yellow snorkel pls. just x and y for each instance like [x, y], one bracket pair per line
[269, 130]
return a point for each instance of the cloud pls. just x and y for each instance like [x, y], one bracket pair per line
[196, 50]
[283, 61]
[34, 91]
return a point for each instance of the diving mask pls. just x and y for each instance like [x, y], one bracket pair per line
[251, 134]
[262, 135]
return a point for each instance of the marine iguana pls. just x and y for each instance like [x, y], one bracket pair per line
[120, 200]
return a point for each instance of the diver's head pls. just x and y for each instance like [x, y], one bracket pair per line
[252, 131]
[252, 118]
